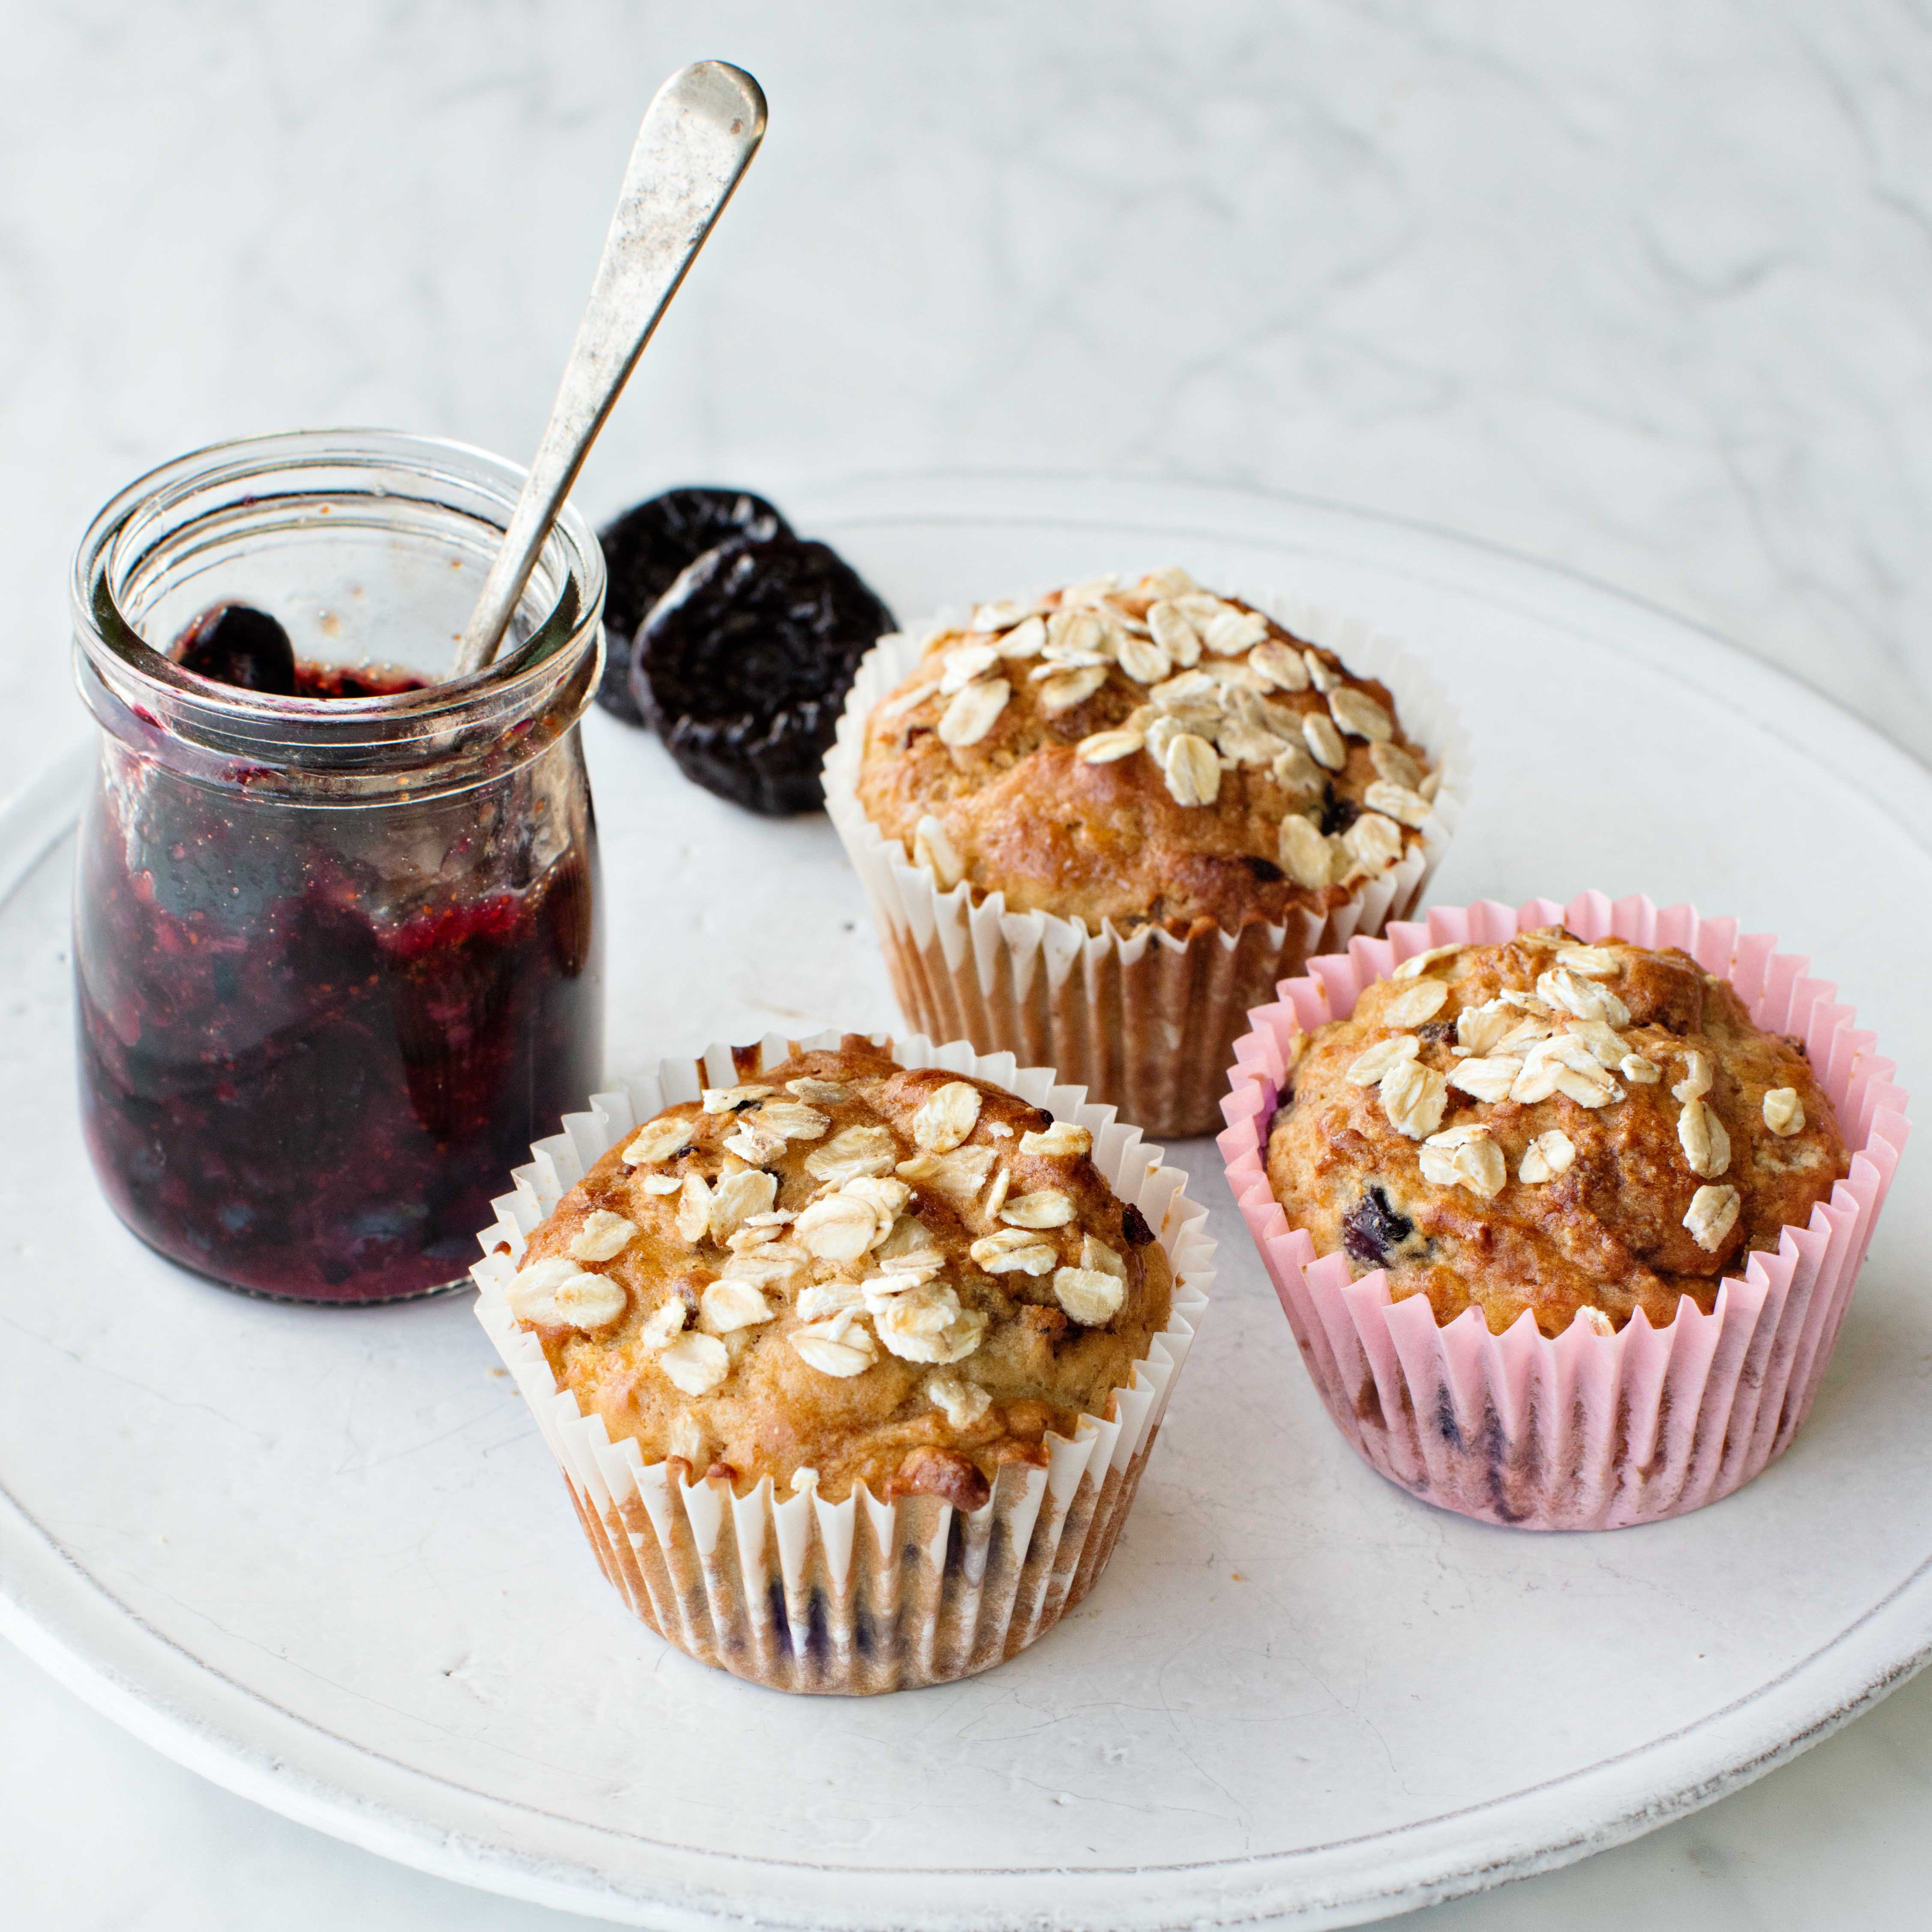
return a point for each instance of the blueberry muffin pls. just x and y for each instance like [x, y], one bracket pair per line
[1577, 1130]
[845, 1271]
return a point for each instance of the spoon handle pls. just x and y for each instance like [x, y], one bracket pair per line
[698, 137]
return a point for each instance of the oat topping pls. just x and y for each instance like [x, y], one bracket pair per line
[696, 1363]
[960, 666]
[1712, 1214]
[1003, 616]
[1369, 1067]
[1784, 1111]
[1419, 963]
[933, 849]
[1374, 843]
[1071, 688]
[1574, 993]
[657, 1142]
[962, 1402]
[660, 1183]
[754, 1142]
[1280, 668]
[729, 1100]
[1548, 1155]
[664, 1321]
[1015, 1250]
[1046, 1207]
[946, 1119]
[738, 1195]
[1417, 1003]
[1465, 1156]
[1320, 675]
[1414, 1097]
[1105, 748]
[1063, 1137]
[1024, 640]
[1325, 743]
[1595, 1320]
[1359, 715]
[1697, 1077]
[838, 1347]
[1639, 1071]
[1485, 1079]
[603, 1237]
[1707, 1146]
[1394, 766]
[1397, 802]
[1091, 1296]
[733, 1303]
[1306, 856]
[1193, 770]
[858, 1150]
[973, 712]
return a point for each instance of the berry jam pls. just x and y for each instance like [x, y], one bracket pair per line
[315, 1038]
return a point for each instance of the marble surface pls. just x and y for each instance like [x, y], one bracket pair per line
[1641, 290]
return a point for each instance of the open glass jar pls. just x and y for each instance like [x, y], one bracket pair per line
[338, 960]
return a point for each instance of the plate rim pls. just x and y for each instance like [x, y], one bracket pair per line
[1339, 1882]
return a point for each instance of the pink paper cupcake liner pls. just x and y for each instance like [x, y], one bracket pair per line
[1588, 1431]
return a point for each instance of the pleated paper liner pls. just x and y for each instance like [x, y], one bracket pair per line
[1144, 1021]
[859, 1596]
[1588, 1431]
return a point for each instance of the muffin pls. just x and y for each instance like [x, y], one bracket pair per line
[841, 1288]
[1545, 1126]
[1559, 1203]
[1098, 825]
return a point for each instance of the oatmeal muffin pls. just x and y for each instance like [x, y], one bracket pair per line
[1179, 798]
[1156, 756]
[1577, 1130]
[844, 1271]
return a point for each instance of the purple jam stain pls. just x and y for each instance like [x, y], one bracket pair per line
[288, 1084]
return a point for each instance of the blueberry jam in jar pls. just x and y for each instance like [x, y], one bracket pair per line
[338, 947]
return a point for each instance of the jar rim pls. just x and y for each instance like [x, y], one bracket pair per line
[572, 558]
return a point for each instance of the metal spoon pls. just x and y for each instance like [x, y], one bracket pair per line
[698, 137]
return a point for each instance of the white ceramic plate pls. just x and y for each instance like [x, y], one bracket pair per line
[322, 1556]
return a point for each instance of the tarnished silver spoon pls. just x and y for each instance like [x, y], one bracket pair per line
[698, 137]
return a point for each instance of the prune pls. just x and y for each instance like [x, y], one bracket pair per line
[745, 662]
[1372, 1228]
[645, 552]
[233, 643]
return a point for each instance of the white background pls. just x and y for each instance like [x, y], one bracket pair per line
[1644, 290]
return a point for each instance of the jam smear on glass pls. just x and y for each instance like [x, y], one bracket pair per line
[315, 1038]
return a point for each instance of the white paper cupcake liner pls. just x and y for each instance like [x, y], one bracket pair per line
[1144, 1021]
[860, 1596]
[1588, 1431]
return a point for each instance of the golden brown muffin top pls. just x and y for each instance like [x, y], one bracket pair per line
[845, 1270]
[1155, 755]
[1551, 1125]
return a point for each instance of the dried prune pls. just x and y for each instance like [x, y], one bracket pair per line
[646, 549]
[1372, 1228]
[745, 662]
[234, 643]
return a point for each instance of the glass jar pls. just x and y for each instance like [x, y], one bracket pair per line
[338, 960]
